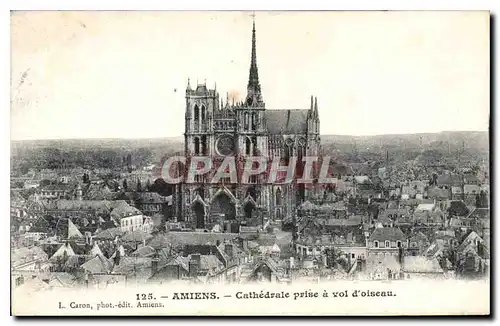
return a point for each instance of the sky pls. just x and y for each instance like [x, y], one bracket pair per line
[123, 74]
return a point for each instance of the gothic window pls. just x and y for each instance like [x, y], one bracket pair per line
[197, 146]
[248, 146]
[278, 197]
[301, 152]
[196, 113]
[288, 151]
[203, 112]
[254, 146]
[204, 145]
[246, 121]
[200, 192]
[254, 121]
[387, 244]
[251, 191]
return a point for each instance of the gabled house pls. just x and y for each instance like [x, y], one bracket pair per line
[429, 214]
[417, 243]
[265, 271]
[386, 241]
[421, 267]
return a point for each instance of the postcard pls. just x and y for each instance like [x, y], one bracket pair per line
[185, 163]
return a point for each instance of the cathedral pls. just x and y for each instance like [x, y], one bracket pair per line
[217, 129]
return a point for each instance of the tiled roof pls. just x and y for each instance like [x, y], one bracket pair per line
[98, 264]
[282, 122]
[136, 236]
[472, 189]
[179, 261]
[394, 211]
[123, 210]
[438, 193]
[97, 192]
[64, 248]
[64, 187]
[63, 279]
[159, 241]
[480, 213]
[200, 238]
[374, 263]
[421, 264]
[108, 234]
[269, 262]
[449, 179]
[129, 265]
[433, 249]
[150, 197]
[391, 234]
[33, 285]
[419, 236]
[209, 262]
[73, 231]
[146, 251]
[468, 240]
[97, 205]
[25, 254]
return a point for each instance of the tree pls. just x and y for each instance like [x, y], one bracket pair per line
[86, 178]
[45, 182]
[117, 258]
[458, 208]
[162, 188]
[481, 200]
[334, 259]
[125, 186]
[434, 179]
[139, 186]
[148, 185]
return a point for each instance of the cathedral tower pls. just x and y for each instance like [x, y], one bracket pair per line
[252, 131]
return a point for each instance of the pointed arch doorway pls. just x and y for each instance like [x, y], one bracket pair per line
[223, 205]
[249, 209]
[199, 214]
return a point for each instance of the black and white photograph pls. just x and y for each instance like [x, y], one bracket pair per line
[250, 163]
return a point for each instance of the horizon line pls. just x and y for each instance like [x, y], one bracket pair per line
[181, 136]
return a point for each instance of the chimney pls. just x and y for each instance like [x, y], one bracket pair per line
[194, 265]
[154, 264]
[292, 263]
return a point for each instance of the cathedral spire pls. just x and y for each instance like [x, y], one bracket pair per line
[316, 106]
[254, 96]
